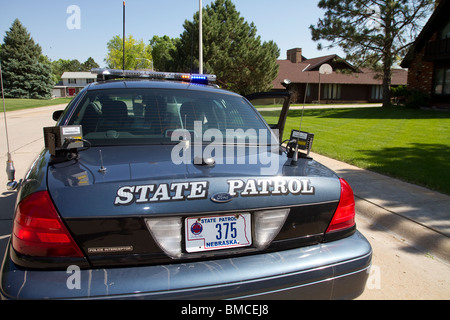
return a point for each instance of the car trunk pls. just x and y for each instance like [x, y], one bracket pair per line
[109, 213]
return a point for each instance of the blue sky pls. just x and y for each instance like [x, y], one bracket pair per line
[284, 21]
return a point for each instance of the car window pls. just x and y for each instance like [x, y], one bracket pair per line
[150, 116]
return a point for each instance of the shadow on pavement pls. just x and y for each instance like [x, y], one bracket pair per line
[7, 205]
[418, 215]
[418, 238]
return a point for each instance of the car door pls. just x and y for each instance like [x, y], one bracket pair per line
[277, 103]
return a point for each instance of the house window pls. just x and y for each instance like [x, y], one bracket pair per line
[72, 81]
[442, 81]
[445, 33]
[332, 91]
[90, 80]
[377, 93]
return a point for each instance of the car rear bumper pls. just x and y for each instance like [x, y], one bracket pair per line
[334, 270]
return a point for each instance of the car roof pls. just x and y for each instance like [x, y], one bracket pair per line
[155, 84]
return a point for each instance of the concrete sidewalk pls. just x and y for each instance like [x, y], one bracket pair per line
[418, 215]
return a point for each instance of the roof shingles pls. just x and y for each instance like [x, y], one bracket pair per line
[307, 72]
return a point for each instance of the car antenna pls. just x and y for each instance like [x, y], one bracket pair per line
[102, 168]
[295, 156]
[192, 53]
[10, 170]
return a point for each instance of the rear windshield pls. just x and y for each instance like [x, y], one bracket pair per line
[164, 116]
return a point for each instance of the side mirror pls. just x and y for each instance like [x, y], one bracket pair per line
[57, 114]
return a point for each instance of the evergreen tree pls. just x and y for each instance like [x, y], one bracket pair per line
[89, 64]
[26, 73]
[161, 52]
[373, 33]
[231, 49]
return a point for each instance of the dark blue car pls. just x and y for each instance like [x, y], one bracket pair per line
[167, 189]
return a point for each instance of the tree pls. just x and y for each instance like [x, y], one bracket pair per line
[89, 64]
[26, 72]
[161, 52]
[137, 54]
[231, 50]
[62, 65]
[373, 33]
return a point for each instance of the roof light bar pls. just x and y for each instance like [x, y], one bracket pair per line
[105, 74]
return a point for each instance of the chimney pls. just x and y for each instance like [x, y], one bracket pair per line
[295, 55]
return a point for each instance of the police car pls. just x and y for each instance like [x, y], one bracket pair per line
[162, 186]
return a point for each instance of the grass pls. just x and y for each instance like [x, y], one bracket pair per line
[412, 145]
[18, 104]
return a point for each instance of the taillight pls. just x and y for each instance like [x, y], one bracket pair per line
[344, 217]
[39, 231]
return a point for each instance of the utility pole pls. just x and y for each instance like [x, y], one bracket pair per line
[123, 45]
[200, 37]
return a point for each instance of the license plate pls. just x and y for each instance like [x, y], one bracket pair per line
[218, 232]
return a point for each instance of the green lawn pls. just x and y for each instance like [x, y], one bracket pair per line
[412, 145]
[17, 104]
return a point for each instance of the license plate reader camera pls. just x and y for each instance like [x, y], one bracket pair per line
[303, 139]
[64, 141]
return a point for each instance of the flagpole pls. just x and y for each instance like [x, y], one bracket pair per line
[123, 45]
[200, 36]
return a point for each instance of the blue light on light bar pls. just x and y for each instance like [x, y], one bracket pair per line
[200, 79]
[116, 73]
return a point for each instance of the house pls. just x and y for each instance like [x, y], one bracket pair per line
[72, 83]
[344, 84]
[428, 60]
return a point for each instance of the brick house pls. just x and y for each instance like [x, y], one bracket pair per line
[345, 84]
[428, 60]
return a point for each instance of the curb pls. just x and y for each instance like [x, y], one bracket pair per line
[412, 232]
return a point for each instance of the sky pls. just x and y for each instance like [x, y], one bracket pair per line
[79, 29]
